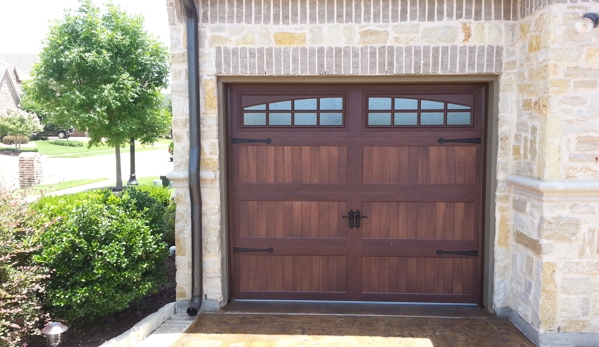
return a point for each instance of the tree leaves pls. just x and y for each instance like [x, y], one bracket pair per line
[101, 71]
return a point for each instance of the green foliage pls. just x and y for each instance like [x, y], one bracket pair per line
[20, 124]
[101, 71]
[11, 140]
[104, 249]
[171, 147]
[67, 143]
[21, 282]
[169, 218]
[156, 201]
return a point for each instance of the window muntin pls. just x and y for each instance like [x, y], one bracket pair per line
[411, 112]
[308, 112]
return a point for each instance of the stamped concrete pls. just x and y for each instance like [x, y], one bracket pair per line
[283, 324]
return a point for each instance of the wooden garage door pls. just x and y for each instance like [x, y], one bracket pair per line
[356, 193]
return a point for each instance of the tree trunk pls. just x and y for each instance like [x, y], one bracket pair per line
[119, 179]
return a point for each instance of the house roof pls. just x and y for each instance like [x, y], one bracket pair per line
[23, 62]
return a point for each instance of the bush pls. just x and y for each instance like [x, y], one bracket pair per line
[104, 250]
[21, 283]
[67, 143]
[156, 201]
[12, 140]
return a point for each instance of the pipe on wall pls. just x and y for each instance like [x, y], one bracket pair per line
[193, 67]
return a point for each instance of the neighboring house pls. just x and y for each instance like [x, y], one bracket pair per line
[14, 69]
[465, 131]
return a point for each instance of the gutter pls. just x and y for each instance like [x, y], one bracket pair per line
[193, 67]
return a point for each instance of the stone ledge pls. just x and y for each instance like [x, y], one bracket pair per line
[206, 177]
[142, 329]
[555, 191]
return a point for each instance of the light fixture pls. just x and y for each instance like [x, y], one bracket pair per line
[53, 333]
[587, 23]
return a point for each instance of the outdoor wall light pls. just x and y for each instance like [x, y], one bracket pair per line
[587, 23]
[52, 332]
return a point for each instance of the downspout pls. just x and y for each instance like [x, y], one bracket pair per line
[193, 68]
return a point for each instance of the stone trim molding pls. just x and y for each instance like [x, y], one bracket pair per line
[206, 177]
[555, 191]
[359, 60]
[290, 12]
[547, 338]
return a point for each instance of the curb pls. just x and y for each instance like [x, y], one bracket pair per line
[142, 329]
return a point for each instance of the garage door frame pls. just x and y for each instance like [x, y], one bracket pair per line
[490, 158]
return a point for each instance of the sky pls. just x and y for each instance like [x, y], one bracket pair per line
[25, 23]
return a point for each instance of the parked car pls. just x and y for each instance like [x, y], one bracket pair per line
[53, 130]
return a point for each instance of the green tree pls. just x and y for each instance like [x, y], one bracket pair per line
[19, 124]
[101, 71]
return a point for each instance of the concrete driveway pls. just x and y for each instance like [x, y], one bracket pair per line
[149, 163]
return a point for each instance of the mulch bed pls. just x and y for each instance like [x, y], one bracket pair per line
[119, 322]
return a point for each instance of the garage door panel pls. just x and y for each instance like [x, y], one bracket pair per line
[307, 219]
[419, 164]
[418, 220]
[417, 275]
[292, 164]
[292, 273]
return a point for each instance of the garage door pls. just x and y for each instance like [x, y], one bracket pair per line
[356, 193]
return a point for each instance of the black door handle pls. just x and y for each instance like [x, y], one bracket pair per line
[358, 216]
[352, 218]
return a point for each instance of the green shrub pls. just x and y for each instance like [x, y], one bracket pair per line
[104, 250]
[169, 218]
[155, 201]
[11, 140]
[67, 143]
[21, 283]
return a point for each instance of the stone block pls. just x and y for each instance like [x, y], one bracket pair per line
[528, 242]
[535, 43]
[373, 37]
[574, 325]
[443, 34]
[560, 228]
[580, 267]
[290, 38]
[587, 143]
[576, 285]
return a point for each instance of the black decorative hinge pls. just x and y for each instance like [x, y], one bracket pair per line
[235, 140]
[470, 253]
[354, 219]
[252, 250]
[472, 140]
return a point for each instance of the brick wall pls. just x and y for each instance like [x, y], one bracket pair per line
[31, 169]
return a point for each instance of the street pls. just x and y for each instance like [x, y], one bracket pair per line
[149, 163]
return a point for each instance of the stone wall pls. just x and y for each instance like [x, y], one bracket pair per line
[546, 130]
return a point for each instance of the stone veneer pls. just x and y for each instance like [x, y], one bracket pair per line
[546, 248]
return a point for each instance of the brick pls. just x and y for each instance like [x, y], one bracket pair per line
[286, 60]
[266, 11]
[426, 60]
[313, 12]
[349, 13]
[367, 15]
[320, 59]
[471, 62]
[321, 11]
[329, 64]
[338, 60]
[339, 12]
[390, 64]
[357, 13]
[403, 11]
[408, 67]
[285, 12]
[422, 16]
[243, 61]
[295, 60]
[303, 61]
[269, 61]
[417, 59]
[302, 14]
[278, 60]
[363, 60]
[399, 60]
[347, 60]
[260, 61]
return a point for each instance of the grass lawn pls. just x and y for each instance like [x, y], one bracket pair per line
[47, 188]
[56, 151]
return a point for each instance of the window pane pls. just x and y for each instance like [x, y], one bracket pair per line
[431, 118]
[305, 104]
[256, 108]
[331, 103]
[254, 119]
[406, 104]
[457, 107]
[305, 119]
[379, 119]
[379, 104]
[331, 119]
[281, 105]
[458, 118]
[279, 119]
[406, 119]
[431, 105]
